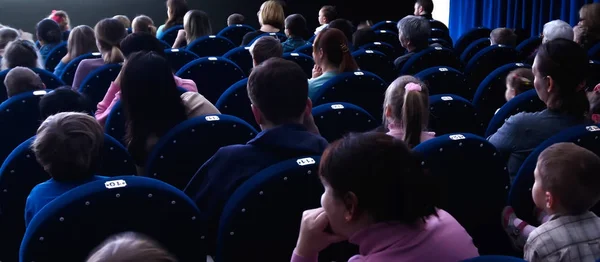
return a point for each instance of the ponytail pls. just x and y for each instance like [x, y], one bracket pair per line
[414, 115]
[114, 56]
[406, 107]
[348, 64]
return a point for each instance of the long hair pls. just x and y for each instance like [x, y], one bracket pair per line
[336, 49]
[196, 24]
[177, 10]
[109, 34]
[151, 102]
[82, 40]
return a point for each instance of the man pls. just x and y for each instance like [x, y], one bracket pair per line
[424, 8]
[414, 33]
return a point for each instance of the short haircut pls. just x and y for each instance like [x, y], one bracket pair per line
[64, 99]
[427, 5]
[143, 24]
[124, 19]
[272, 14]
[343, 25]
[235, 19]
[21, 53]
[329, 12]
[131, 247]
[363, 36]
[279, 89]
[415, 29]
[22, 79]
[137, 42]
[557, 29]
[520, 80]
[48, 31]
[504, 36]
[68, 146]
[264, 48]
[572, 175]
[7, 35]
[296, 25]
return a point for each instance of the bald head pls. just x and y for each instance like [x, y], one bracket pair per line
[22, 79]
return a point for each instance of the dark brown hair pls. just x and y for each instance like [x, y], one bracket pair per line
[329, 12]
[504, 36]
[335, 47]
[520, 80]
[235, 19]
[296, 25]
[178, 10]
[264, 48]
[427, 5]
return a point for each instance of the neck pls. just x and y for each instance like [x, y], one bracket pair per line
[329, 68]
[269, 125]
[269, 29]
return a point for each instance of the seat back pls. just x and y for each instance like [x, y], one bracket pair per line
[95, 85]
[236, 33]
[465, 40]
[48, 78]
[277, 35]
[71, 226]
[435, 24]
[473, 49]
[69, 73]
[525, 102]
[527, 47]
[458, 162]
[490, 93]
[305, 49]
[488, 60]
[335, 120]
[234, 101]
[241, 57]
[212, 75]
[360, 88]
[115, 123]
[444, 80]
[55, 56]
[440, 41]
[182, 151]
[375, 62]
[248, 230]
[178, 58]
[165, 44]
[441, 34]
[211, 45]
[385, 48]
[453, 114]
[431, 57]
[170, 34]
[387, 36]
[386, 25]
[304, 61]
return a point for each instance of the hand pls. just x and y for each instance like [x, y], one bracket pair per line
[317, 71]
[313, 237]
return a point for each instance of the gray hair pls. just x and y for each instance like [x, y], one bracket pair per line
[415, 29]
[557, 29]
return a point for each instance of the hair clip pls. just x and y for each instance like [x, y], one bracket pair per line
[344, 48]
[413, 87]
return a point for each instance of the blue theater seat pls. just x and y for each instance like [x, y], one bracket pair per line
[234, 101]
[469, 37]
[527, 47]
[385, 48]
[387, 36]
[525, 102]
[241, 57]
[55, 56]
[386, 25]
[48, 78]
[305, 49]
[453, 114]
[178, 58]
[335, 120]
[170, 34]
[210, 46]
[444, 80]
[304, 61]
[435, 24]
[95, 85]
[69, 74]
[212, 75]
[488, 60]
[279, 36]
[441, 34]
[473, 49]
[236, 33]
[430, 57]
[441, 42]
[377, 63]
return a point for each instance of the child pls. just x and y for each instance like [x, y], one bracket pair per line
[22, 79]
[49, 34]
[567, 185]
[503, 36]
[326, 15]
[235, 19]
[406, 110]
[62, 19]
[68, 146]
[143, 24]
[63, 99]
[131, 247]
[517, 82]
[295, 28]
[594, 98]
[123, 19]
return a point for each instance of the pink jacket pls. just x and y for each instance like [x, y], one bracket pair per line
[397, 132]
[114, 94]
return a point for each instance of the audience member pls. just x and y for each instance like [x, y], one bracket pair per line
[560, 69]
[64, 99]
[278, 91]
[236, 19]
[196, 24]
[580, 36]
[406, 110]
[62, 19]
[143, 24]
[21, 53]
[414, 32]
[22, 79]
[81, 41]
[295, 29]
[424, 8]
[346, 27]
[589, 22]
[517, 82]
[264, 48]
[67, 146]
[389, 211]
[363, 36]
[503, 36]
[130, 247]
[271, 19]
[557, 29]
[124, 20]
[7, 35]
[49, 35]
[594, 98]
[176, 10]
[326, 15]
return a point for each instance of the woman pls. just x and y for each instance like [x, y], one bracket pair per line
[176, 10]
[271, 18]
[109, 33]
[81, 41]
[378, 197]
[331, 52]
[49, 35]
[21, 53]
[196, 24]
[559, 70]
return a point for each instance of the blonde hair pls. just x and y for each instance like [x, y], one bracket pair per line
[21, 53]
[130, 247]
[123, 19]
[271, 13]
[144, 24]
[22, 79]
[62, 19]
[196, 24]
[409, 110]
[82, 40]
[109, 34]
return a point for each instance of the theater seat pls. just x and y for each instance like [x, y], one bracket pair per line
[528, 47]
[212, 75]
[441, 34]
[304, 61]
[279, 36]
[444, 80]
[234, 101]
[473, 184]
[236, 33]
[473, 49]
[435, 24]
[375, 62]
[178, 58]
[430, 57]
[210, 46]
[386, 25]
[241, 57]
[488, 60]
[69, 74]
[469, 37]
[453, 114]
[525, 102]
[335, 120]
[387, 36]
[95, 85]
[170, 34]
[385, 48]
[305, 49]
[48, 78]
[71, 226]
[55, 56]
[440, 42]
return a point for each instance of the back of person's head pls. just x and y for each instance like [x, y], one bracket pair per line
[423, 7]
[82, 40]
[68, 146]
[130, 247]
[235, 19]
[21, 53]
[594, 98]
[376, 178]
[22, 79]
[332, 45]
[109, 34]
[196, 24]
[176, 10]
[295, 25]
[363, 36]
[143, 24]
[64, 99]
[406, 105]
[327, 14]
[589, 17]
[124, 20]
[137, 42]
[571, 175]
[278, 89]
[414, 32]
[343, 25]
[560, 70]
[271, 13]
[264, 48]
[62, 18]
[503, 36]
[7, 35]
[557, 29]
[151, 101]
[48, 31]
[518, 81]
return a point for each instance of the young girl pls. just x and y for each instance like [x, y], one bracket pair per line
[81, 41]
[517, 82]
[62, 19]
[196, 24]
[389, 211]
[143, 24]
[21, 53]
[406, 110]
[176, 10]
[271, 19]
[49, 34]
[131, 247]
[326, 14]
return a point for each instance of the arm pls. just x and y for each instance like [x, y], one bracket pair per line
[80, 74]
[507, 137]
[180, 39]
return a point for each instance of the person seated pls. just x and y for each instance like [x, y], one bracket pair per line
[264, 48]
[278, 91]
[130, 247]
[406, 110]
[594, 98]
[143, 24]
[196, 24]
[326, 15]
[346, 27]
[414, 33]
[503, 36]
[553, 30]
[589, 22]
[332, 56]
[271, 18]
[295, 28]
[236, 19]
[63, 99]
[559, 70]
[378, 196]
[7, 35]
[81, 41]
[68, 147]
[49, 35]
[133, 43]
[62, 19]
[518, 81]
[22, 79]
[424, 8]
[21, 53]
[176, 10]
[363, 36]
[124, 20]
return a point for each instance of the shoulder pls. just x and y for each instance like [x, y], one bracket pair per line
[42, 187]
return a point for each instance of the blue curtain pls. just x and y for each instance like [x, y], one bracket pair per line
[530, 15]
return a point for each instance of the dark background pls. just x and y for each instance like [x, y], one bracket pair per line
[24, 14]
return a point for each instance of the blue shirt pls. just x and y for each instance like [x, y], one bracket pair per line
[45, 50]
[159, 31]
[45, 192]
[314, 84]
[292, 44]
[60, 69]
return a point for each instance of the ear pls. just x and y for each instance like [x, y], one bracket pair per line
[550, 201]
[551, 85]
[257, 115]
[388, 112]
[309, 106]
[596, 118]
[351, 205]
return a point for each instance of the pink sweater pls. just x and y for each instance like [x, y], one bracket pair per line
[441, 239]
[114, 94]
[397, 132]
